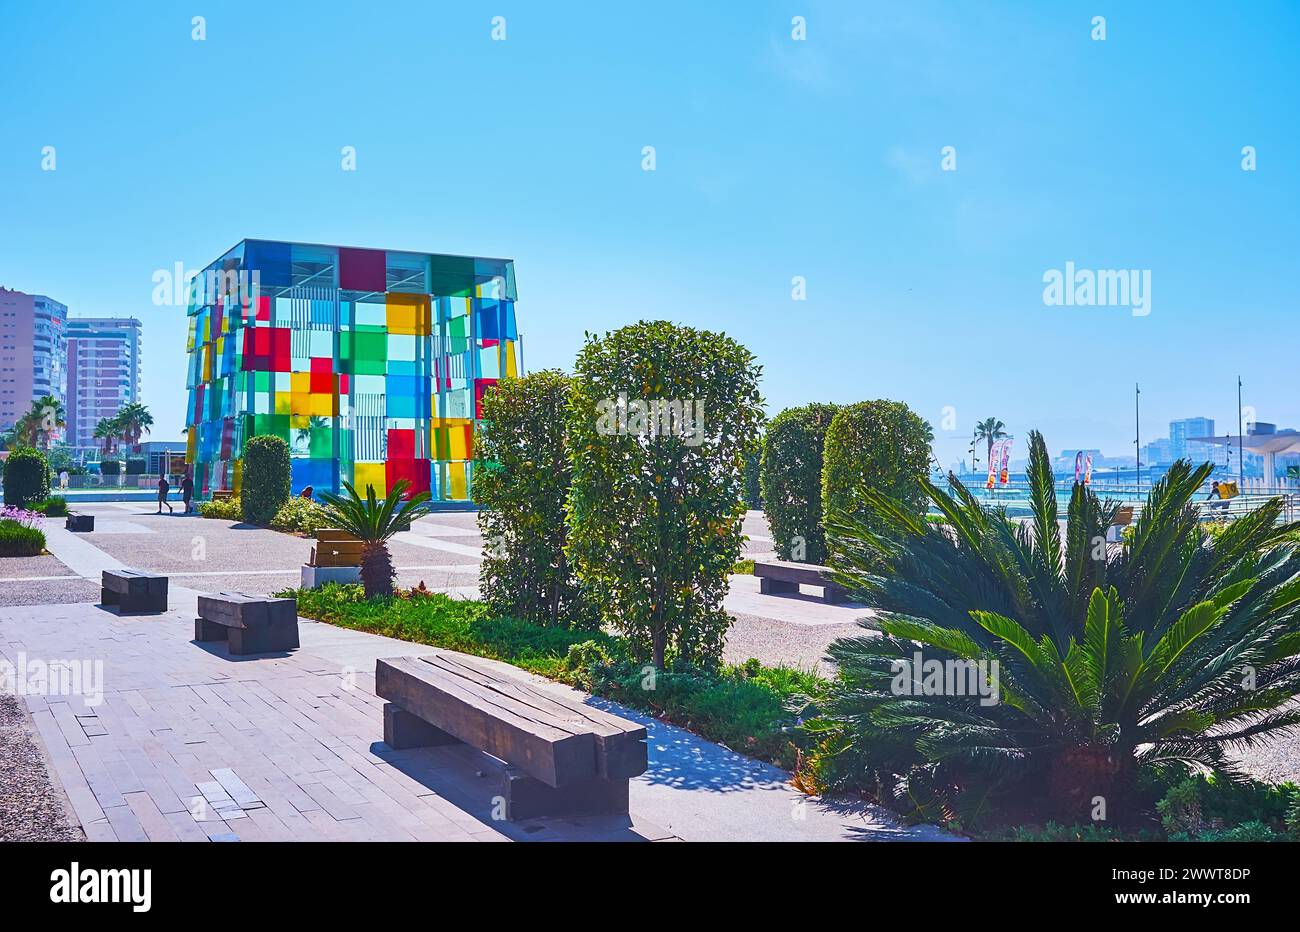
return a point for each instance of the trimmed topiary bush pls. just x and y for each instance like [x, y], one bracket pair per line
[792, 481]
[521, 479]
[110, 468]
[27, 477]
[661, 418]
[882, 445]
[266, 478]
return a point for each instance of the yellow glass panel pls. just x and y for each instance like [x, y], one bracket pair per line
[407, 314]
[299, 420]
[370, 474]
[283, 402]
[456, 479]
[300, 383]
[456, 443]
[322, 404]
[512, 367]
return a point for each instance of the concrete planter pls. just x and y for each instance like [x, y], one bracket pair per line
[80, 522]
[313, 577]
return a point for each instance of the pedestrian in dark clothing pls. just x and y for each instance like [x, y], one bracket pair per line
[163, 488]
[187, 492]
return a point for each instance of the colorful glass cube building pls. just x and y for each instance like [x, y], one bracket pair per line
[370, 363]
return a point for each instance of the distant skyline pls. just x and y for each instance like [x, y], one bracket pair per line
[775, 158]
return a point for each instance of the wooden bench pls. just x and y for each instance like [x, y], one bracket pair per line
[335, 548]
[556, 754]
[79, 522]
[222, 495]
[132, 591]
[783, 576]
[249, 624]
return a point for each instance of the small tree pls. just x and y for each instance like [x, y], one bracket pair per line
[882, 445]
[521, 480]
[661, 418]
[266, 478]
[792, 481]
[27, 477]
[373, 521]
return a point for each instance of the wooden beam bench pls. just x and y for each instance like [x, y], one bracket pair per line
[335, 558]
[557, 755]
[133, 592]
[782, 576]
[222, 495]
[79, 522]
[248, 624]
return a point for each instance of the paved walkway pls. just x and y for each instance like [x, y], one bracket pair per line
[190, 743]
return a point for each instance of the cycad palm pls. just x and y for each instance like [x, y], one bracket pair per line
[374, 521]
[1173, 650]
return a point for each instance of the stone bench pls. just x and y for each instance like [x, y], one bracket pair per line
[248, 624]
[79, 522]
[782, 576]
[554, 754]
[132, 591]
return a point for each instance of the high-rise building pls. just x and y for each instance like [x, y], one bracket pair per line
[370, 363]
[32, 353]
[1180, 447]
[103, 373]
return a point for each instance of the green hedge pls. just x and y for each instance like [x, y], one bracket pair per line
[791, 475]
[27, 477]
[266, 478]
[883, 445]
[110, 467]
[521, 480]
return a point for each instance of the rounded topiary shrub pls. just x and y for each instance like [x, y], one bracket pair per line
[880, 445]
[791, 476]
[521, 481]
[661, 418]
[266, 478]
[27, 477]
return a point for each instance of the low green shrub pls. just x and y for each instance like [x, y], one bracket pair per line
[20, 539]
[300, 515]
[228, 509]
[110, 468]
[1201, 808]
[56, 506]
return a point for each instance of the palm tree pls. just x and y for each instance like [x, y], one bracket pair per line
[373, 522]
[47, 411]
[106, 432]
[989, 430]
[1169, 652]
[134, 420]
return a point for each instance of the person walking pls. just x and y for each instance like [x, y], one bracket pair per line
[187, 491]
[163, 488]
[63, 479]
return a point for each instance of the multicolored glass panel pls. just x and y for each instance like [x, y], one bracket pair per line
[371, 364]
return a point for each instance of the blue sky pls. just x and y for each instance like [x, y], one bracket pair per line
[775, 158]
